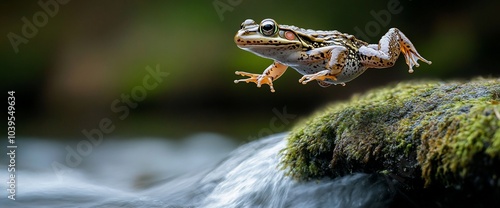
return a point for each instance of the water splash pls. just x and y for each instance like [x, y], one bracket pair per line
[202, 172]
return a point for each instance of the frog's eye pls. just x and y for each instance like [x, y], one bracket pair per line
[268, 27]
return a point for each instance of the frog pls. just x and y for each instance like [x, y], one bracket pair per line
[328, 57]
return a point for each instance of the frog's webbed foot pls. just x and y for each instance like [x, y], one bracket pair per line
[410, 53]
[258, 79]
[273, 72]
[319, 76]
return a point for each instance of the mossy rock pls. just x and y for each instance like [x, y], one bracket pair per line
[422, 133]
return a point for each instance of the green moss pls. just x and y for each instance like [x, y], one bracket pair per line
[448, 133]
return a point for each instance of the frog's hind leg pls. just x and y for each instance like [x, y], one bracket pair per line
[273, 72]
[386, 52]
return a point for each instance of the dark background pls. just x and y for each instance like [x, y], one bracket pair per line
[89, 53]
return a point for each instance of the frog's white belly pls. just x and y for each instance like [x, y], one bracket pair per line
[348, 72]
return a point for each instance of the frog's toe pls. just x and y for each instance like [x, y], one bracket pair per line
[305, 79]
[272, 88]
[241, 80]
[302, 80]
[252, 77]
[241, 73]
[318, 77]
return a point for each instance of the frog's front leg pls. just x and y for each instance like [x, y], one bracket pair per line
[388, 49]
[335, 55]
[273, 72]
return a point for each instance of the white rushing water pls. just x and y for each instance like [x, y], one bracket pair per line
[203, 171]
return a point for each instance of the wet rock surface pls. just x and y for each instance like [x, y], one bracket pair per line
[428, 137]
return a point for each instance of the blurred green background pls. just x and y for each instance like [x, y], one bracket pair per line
[89, 53]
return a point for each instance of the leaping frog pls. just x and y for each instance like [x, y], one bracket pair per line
[329, 57]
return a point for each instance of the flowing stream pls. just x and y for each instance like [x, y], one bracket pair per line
[203, 171]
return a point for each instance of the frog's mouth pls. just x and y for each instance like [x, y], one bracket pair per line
[256, 40]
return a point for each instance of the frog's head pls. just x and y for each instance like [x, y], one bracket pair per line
[267, 39]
